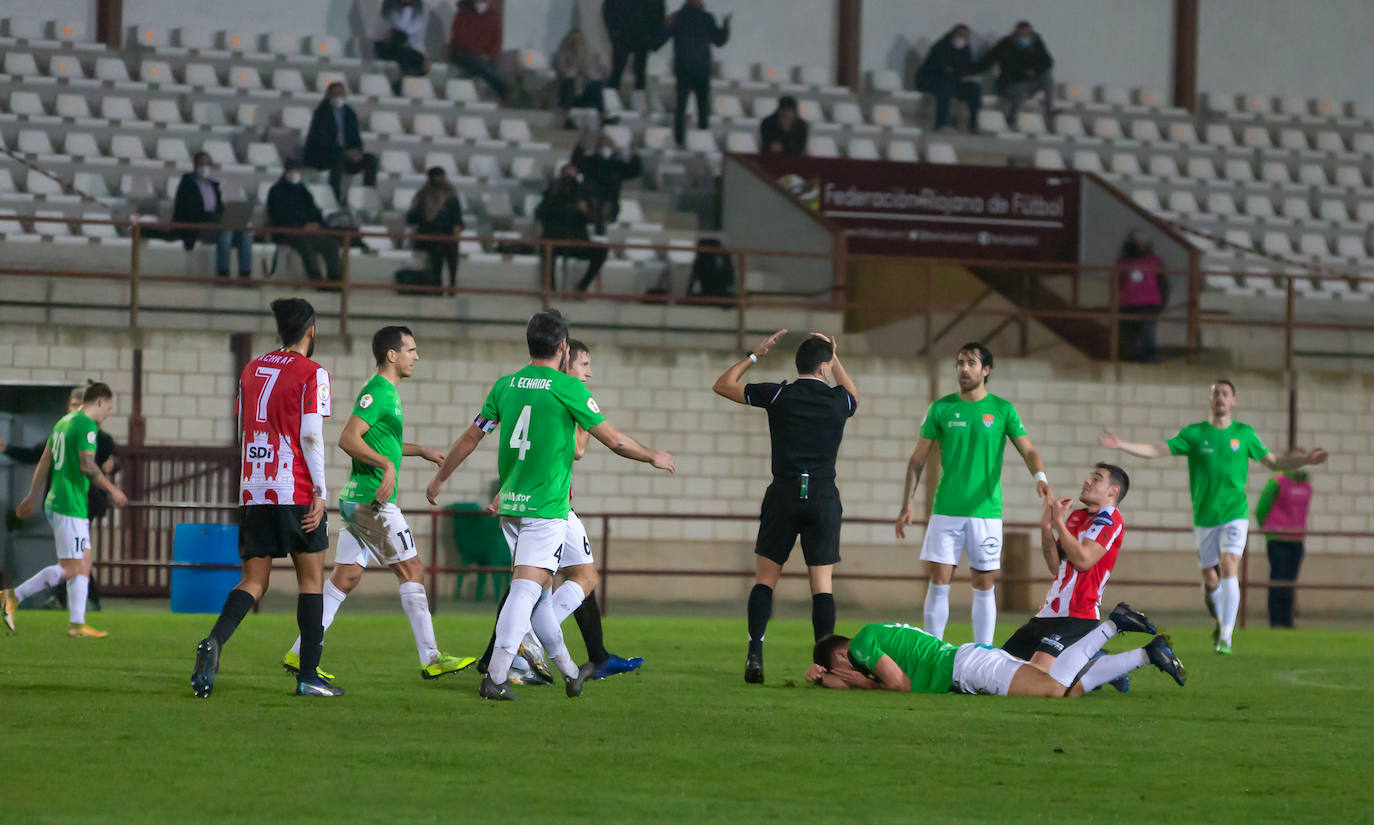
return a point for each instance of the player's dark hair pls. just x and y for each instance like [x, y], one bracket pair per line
[545, 331]
[826, 647]
[96, 390]
[294, 316]
[984, 355]
[1228, 383]
[812, 353]
[576, 348]
[1118, 477]
[387, 339]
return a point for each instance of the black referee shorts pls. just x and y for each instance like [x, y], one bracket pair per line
[1050, 635]
[816, 518]
[274, 531]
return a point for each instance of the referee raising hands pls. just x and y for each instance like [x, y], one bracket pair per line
[806, 423]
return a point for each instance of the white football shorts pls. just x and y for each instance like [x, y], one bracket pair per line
[949, 536]
[573, 547]
[373, 533]
[71, 535]
[1224, 538]
[984, 670]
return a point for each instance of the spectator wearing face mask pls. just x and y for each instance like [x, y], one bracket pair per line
[334, 143]
[198, 200]
[1142, 289]
[580, 72]
[693, 31]
[402, 36]
[562, 216]
[291, 206]
[946, 74]
[1023, 71]
[475, 42]
[784, 132]
[436, 210]
[603, 172]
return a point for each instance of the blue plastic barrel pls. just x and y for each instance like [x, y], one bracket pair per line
[204, 591]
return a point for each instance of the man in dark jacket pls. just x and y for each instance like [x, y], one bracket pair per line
[947, 74]
[635, 27]
[1023, 69]
[334, 143]
[562, 214]
[784, 132]
[693, 31]
[198, 201]
[602, 174]
[291, 206]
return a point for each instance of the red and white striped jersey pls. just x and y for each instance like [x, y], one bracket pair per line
[275, 392]
[1077, 594]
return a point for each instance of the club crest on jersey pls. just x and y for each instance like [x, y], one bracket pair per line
[365, 401]
[90, 437]
[324, 394]
[1235, 444]
[591, 405]
[987, 420]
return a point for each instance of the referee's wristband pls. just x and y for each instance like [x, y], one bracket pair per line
[752, 357]
[1040, 477]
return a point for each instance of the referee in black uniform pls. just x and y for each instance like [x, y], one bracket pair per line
[806, 421]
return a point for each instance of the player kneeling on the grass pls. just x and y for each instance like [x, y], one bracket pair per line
[538, 410]
[903, 658]
[69, 460]
[374, 528]
[1080, 549]
[283, 401]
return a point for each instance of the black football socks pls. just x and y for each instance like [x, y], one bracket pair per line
[236, 606]
[588, 616]
[823, 614]
[310, 620]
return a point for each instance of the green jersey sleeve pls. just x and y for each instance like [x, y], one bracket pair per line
[490, 416]
[86, 430]
[578, 399]
[1015, 429]
[367, 408]
[1255, 446]
[1181, 444]
[930, 427]
[865, 650]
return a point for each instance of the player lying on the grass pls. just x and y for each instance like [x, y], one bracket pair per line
[1080, 548]
[578, 567]
[903, 658]
[69, 460]
[538, 409]
[374, 529]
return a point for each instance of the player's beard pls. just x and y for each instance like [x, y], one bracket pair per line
[310, 350]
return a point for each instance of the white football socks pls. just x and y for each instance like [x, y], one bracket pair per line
[566, 599]
[416, 608]
[77, 588]
[937, 609]
[550, 633]
[49, 576]
[1110, 668]
[511, 627]
[1076, 656]
[984, 616]
[333, 600]
[1228, 608]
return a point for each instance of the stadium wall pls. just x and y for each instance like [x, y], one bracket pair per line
[663, 397]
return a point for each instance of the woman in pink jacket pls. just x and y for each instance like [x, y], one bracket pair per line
[1282, 512]
[1142, 289]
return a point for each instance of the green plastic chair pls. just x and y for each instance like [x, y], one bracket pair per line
[479, 542]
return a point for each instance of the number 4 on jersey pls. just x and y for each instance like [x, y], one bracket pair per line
[520, 436]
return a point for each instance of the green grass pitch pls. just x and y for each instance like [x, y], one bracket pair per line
[100, 731]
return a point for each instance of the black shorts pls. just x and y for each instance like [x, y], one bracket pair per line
[1050, 635]
[816, 518]
[274, 531]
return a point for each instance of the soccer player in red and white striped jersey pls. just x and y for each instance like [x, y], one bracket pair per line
[283, 401]
[1080, 548]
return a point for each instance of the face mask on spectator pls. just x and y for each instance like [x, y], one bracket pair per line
[203, 171]
[959, 42]
[481, 8]
[1024, 41]
[293, 177]
[607, 151]
[336, 102]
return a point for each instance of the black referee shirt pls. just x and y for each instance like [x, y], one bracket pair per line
[805, 422]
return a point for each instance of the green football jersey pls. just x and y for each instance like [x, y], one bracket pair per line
[380, 406]
[68, 485]
[538, 410]
[1218, 463]
[927, 661]
[972, 436]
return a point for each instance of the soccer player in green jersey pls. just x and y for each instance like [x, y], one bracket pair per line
[374, 529]
[971, 428]
[899, 657]
[538, 409]
[68, 460]
[1219, 452]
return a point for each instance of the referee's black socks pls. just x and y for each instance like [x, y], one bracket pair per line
[588, 616]
[760, 608]
[823, 614]
[236, 606]
[310, 620]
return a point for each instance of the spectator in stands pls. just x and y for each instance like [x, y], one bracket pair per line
[1282, 511]
[603, 173]
[334, 143]
[693, 31]
[784, 132]
[1142, 289]
[436, 210]
[291, 206]
[635, 27]
[562, 215]
[198, 200]
[475, 42]
[402, 38]
[580, 72]
[1023, 70]
[947, 74]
